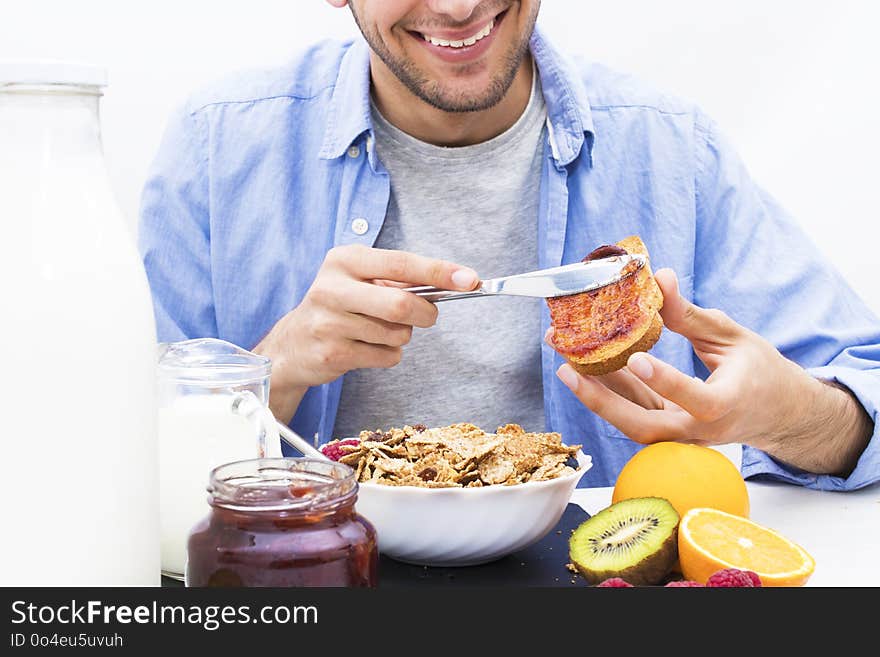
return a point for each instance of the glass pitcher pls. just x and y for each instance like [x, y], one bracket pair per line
[213, 409]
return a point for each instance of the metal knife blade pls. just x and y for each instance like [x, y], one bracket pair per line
[547, 283]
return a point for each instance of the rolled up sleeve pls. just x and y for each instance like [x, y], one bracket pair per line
[865, 385]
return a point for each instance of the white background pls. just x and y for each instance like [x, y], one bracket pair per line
[794, 84]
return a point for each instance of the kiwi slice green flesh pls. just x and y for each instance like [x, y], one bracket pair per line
[634, 539]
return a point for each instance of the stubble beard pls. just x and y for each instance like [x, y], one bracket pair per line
[433, 92]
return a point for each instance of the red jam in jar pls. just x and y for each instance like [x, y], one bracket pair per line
[282, 522]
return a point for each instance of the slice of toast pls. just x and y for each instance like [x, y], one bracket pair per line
[597, 331]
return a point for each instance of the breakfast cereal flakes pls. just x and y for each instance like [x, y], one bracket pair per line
[458, 455]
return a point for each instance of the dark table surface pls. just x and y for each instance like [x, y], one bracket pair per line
[540, 564]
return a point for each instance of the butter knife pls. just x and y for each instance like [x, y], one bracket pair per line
[547, 283]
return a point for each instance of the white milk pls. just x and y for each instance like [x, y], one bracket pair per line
[78, 428]
[196, 434]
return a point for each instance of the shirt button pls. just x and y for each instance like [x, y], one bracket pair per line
[354, 151]
[360, 226]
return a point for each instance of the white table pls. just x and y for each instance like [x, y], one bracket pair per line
[840, 530]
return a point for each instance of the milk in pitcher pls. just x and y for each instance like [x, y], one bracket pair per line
[212, 411]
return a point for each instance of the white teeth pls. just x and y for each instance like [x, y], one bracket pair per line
[471, 40]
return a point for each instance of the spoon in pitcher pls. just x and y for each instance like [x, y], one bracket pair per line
[299, 443]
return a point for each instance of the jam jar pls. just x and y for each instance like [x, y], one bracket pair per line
[282, 522]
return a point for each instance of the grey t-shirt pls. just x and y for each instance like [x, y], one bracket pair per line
[477, 206]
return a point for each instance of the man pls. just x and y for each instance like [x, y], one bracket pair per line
[287, 209]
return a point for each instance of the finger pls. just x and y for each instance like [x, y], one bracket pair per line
[639, 424]
[390, 304]
[403, 267]
[386, 283]
[627, 385]
[331, 326]
[703, 401]
[623, 383]
[378, 331]
[337, 357]
[364, 356]
[688, 319]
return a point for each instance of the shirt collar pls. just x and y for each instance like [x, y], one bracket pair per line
[349, 113]
[569, 119]
[568, 108]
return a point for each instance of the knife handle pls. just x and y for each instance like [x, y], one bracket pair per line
[436, 294]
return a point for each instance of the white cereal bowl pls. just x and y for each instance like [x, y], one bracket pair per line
[465, 526]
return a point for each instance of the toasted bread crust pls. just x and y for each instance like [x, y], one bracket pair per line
[614, 363]
[606, 327]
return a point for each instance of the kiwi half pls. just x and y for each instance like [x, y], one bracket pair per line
[635, 539]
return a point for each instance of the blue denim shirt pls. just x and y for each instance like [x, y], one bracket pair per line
[259, 176]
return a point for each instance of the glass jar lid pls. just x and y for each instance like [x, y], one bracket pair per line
[47, 71]
[209, 361]
[297, 485]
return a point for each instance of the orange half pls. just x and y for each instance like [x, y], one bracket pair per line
[710, 540]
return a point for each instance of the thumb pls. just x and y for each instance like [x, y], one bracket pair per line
[688, 319]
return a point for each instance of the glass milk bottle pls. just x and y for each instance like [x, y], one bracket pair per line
[213, 410]
[78, 439]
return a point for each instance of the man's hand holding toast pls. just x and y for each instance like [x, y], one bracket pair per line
[754, 395]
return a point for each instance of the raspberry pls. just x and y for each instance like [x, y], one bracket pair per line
[684, 583]
[729, 577]
[615, 583]
[334, 450]
[756, 581]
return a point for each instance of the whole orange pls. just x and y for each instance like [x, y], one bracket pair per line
[688, 476]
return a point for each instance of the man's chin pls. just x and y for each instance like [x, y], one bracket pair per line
[464, 98]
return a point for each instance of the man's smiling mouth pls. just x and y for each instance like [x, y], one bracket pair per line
[460, 43]
[457, 39]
